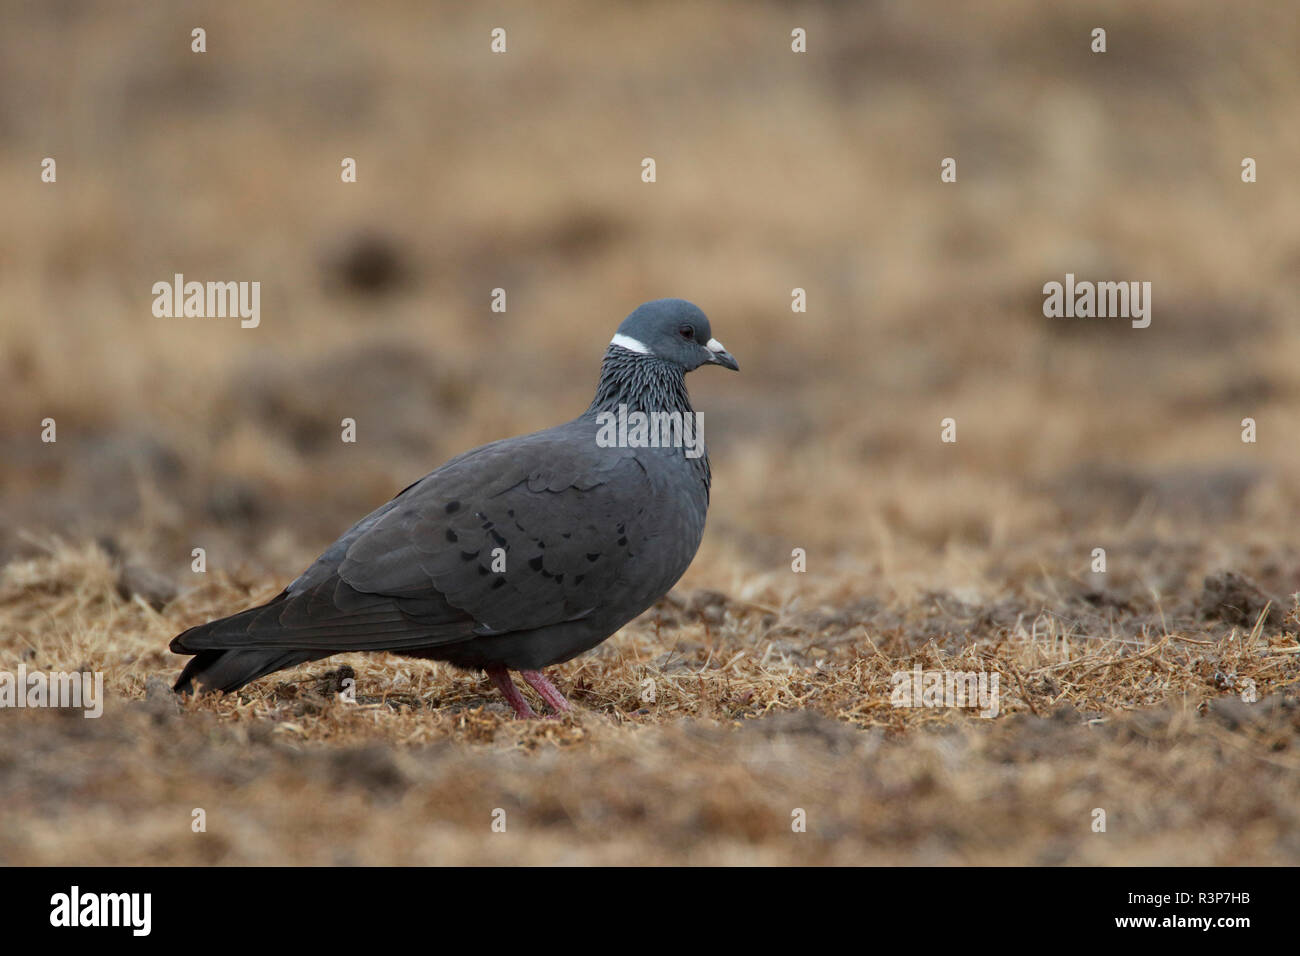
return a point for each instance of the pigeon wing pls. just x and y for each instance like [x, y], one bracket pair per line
[522, 534]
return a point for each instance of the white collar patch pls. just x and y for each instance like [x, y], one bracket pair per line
[629, 343]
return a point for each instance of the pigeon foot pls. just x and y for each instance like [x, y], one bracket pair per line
[550, 693]
[501, 677]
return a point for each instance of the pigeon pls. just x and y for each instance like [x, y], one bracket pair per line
[517, 555]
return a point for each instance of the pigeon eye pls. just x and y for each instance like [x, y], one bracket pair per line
[687, 332]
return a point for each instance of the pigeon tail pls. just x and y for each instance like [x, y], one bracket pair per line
[230, 670]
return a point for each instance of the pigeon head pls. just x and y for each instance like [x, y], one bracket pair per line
[675, 331]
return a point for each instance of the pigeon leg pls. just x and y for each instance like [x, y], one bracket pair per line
[550, 693]
[501, 677]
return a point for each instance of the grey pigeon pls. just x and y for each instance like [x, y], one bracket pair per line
[517, 555]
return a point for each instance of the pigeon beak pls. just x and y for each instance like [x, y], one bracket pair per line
[720, 356]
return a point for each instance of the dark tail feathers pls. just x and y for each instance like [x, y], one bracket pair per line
[230, 670]
[216, 669]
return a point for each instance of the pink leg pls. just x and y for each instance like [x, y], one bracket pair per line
[550, 693]
[501, 677]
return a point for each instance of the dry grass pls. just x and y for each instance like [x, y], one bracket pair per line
[771, 689]
[761, 706]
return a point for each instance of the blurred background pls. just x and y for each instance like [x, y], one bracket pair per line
[776, 170]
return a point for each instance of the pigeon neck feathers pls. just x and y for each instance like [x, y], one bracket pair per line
[646, 383]
[642, 382]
